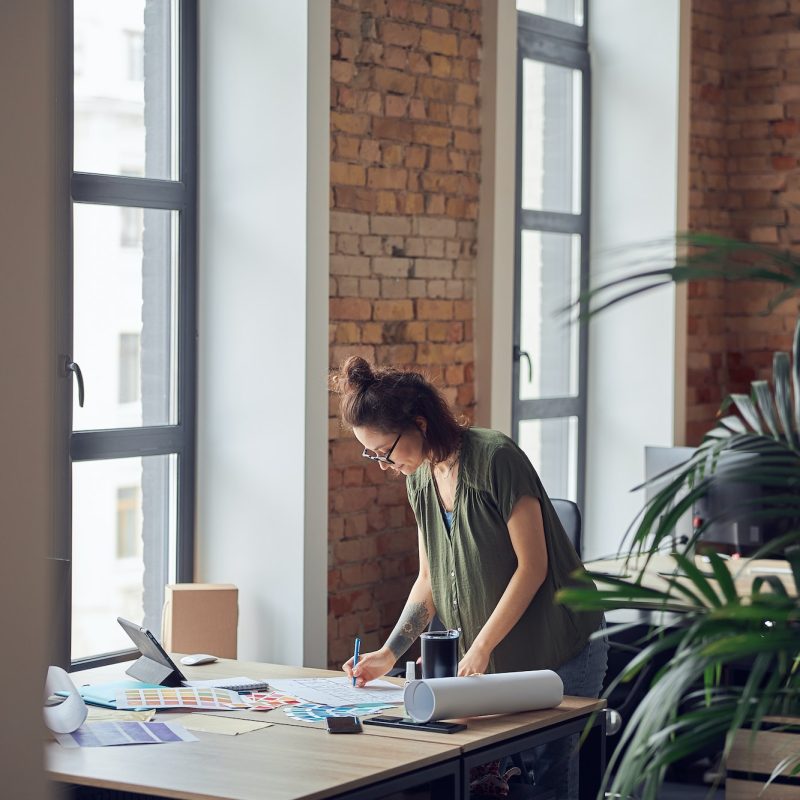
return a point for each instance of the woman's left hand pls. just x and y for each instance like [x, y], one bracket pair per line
[475, 661]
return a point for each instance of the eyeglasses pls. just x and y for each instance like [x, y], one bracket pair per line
[387, 459]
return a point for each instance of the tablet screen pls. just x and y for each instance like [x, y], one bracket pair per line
[148, 645]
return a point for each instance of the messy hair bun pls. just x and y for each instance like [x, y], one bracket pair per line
[357, 374]
[392, 400]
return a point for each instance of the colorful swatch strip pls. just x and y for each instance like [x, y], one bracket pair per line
[105, 734]
[209, 699]
[313, 712]
[266, 701]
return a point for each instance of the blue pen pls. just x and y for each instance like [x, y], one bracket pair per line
[356, 651]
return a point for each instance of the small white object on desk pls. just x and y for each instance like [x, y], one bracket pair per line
[198, 658]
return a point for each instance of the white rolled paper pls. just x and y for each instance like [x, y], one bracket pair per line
[68, 716]
[503, 693]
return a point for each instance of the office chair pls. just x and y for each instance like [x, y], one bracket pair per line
[569, 515]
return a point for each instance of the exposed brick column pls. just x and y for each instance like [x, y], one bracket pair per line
[764, 146]
[708, 211]
[405, 164]
[744, 182]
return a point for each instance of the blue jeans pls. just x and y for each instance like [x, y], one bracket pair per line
[555, 765]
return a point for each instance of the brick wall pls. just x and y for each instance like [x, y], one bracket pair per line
[745, 182]
[706, 379]
[764, 111]
[405, 169]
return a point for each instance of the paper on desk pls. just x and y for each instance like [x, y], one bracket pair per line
[339, 691]
[266, 701]
[97, 714]
[317, 713]
[214, 723]
[107, 734]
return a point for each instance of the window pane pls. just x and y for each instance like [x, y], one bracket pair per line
[123, 548]
[125, 111]
[549, 282]
[125, 316]
[552, 446]
[551, 137]
[564, 10]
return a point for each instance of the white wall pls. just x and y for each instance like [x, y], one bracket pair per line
[494, 296]
[262, 416]
[30, 49]
[635, 50]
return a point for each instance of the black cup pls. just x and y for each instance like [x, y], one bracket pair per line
[440, 654]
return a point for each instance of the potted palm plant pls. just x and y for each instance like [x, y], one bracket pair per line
[731, 614]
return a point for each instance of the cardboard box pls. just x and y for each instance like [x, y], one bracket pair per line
[201, 618]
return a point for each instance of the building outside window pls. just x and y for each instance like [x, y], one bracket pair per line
[129, 522]
[134, 41]
[129, 373]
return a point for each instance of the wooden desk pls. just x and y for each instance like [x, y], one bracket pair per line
[743, 571]
[295, 760]
[280, 762]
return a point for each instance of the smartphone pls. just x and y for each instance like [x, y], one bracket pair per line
[343, 725]
[409, 724]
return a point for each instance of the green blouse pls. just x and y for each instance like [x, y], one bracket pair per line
[472, 565]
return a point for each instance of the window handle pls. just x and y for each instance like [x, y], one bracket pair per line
[519, 355]
[72, 366]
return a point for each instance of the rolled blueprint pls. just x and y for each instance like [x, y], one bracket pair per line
[68, 716]
[503, 693]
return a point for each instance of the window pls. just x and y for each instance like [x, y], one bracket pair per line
[133, 318]
[552, 244]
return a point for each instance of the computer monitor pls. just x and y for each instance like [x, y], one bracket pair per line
[738, 513]
[657, 461]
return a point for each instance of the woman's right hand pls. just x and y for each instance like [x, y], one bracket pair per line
[370, 666]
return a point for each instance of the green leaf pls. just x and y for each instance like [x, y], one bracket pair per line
[698, 580]
[724, 578]
[792, 761]
[763, 399]
[781, 372]
[748, 411]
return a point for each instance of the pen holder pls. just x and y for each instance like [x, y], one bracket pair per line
[440, 654]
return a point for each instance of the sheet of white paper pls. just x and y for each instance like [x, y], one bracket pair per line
[107, 734]
[219, 683]
[339, 691]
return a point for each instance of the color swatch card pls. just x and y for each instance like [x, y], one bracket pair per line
[108, 734]
[317, 713]
[180, 697]
[266, 701]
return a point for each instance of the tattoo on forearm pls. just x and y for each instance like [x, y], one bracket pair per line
[412, 622]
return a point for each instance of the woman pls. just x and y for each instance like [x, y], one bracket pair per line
[492, 552]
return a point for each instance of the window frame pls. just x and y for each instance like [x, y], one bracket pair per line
[552, 41]
[180, 439]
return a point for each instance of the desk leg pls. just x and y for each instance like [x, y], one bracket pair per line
[592, 760]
